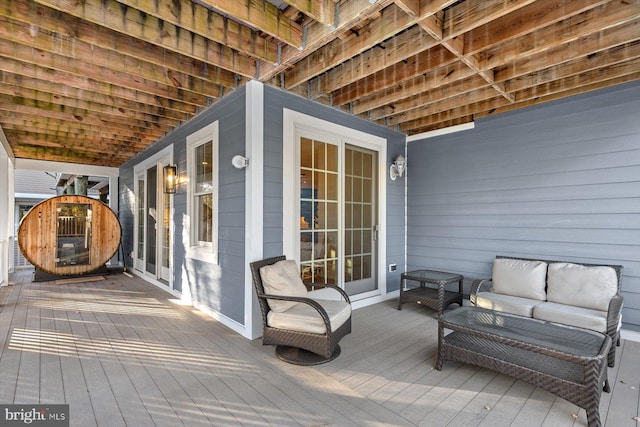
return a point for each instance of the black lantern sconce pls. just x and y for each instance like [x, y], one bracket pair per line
[170, 178]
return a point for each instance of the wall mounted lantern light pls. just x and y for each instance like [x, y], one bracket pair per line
[397, 168]
[170, 178]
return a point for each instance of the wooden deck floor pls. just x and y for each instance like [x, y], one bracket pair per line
[120, 352]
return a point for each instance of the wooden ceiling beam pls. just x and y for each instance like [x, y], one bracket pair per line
[131, 22]
[263, 15]
[392, 21]
[203, 21]
[111, 59]
[410, 7]
[591, 80]
[431, 21]
[467, 15]
[68, 30]
[587, 78]
[400, 48]
[503, 23]
[109, 112]
[393, 76]
[456, 26]
[82, 83]
[114, 62]
[17, 84]
[317, 35]
[44, 125]
[588, 24]
[422, 84]
[424, 99]
[57, 112]
[323, 11]
[361, 105]
[586, 46]
[423, 104]
[523, 21]
[85, 142]
[563, 89]
[456, 46]
[37, 152]
[620, 56]
[83, 68]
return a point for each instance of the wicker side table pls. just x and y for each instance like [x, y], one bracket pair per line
[436, 298]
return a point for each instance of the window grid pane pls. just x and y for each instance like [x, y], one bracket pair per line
[141, 212]
[318, 211]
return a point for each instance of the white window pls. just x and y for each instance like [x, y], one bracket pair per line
[202, 164]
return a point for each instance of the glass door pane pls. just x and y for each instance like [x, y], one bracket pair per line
[151, 244]
[165, 239]
[360, 221]
[140, 221]
[318, 211]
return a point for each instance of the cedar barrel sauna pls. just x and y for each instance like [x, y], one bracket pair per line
[69, 235]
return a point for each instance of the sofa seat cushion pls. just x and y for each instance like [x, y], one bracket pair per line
[571, 315]
[506, 303]
[304, 318]
[282, 278]
[582, 286]
[519, 278]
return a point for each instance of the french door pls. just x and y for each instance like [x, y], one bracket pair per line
[152, 249]
[337, 230]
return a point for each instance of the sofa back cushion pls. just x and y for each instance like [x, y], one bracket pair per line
[282, 278]
[581, 286]
[519, 278]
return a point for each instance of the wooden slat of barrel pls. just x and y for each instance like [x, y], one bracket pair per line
[37, 235]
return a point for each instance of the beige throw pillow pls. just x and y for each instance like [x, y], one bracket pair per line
[581, 286]
[282, 278]
[518, 278]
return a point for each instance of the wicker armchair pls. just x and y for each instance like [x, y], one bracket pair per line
[296, 344]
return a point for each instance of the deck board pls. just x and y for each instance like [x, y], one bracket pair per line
[120, 352]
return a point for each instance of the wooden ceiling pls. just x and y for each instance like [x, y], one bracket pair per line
[96, 81]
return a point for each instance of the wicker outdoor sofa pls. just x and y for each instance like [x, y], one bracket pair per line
[571, 293]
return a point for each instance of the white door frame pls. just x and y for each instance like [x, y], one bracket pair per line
[163, 157]
[293, 123]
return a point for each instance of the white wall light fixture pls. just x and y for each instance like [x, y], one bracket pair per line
[239, 162]
[397, 168]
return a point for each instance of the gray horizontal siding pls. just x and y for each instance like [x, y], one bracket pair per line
[559, 181]
[218, 287]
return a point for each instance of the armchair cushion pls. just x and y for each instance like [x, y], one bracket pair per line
[525, 279]
[582, 286]
[283, 279]
[570, 315]
[304, 318]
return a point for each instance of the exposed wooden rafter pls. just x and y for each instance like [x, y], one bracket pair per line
[96, 81]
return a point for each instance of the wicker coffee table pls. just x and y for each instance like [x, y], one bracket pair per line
[566, 361]
[436, 298]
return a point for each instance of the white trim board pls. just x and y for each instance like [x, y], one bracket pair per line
[77, 168]
[438, 132]
[629, 335]
[294, 123]
[254, 201]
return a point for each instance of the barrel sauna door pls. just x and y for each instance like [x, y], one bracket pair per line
[153, 225]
